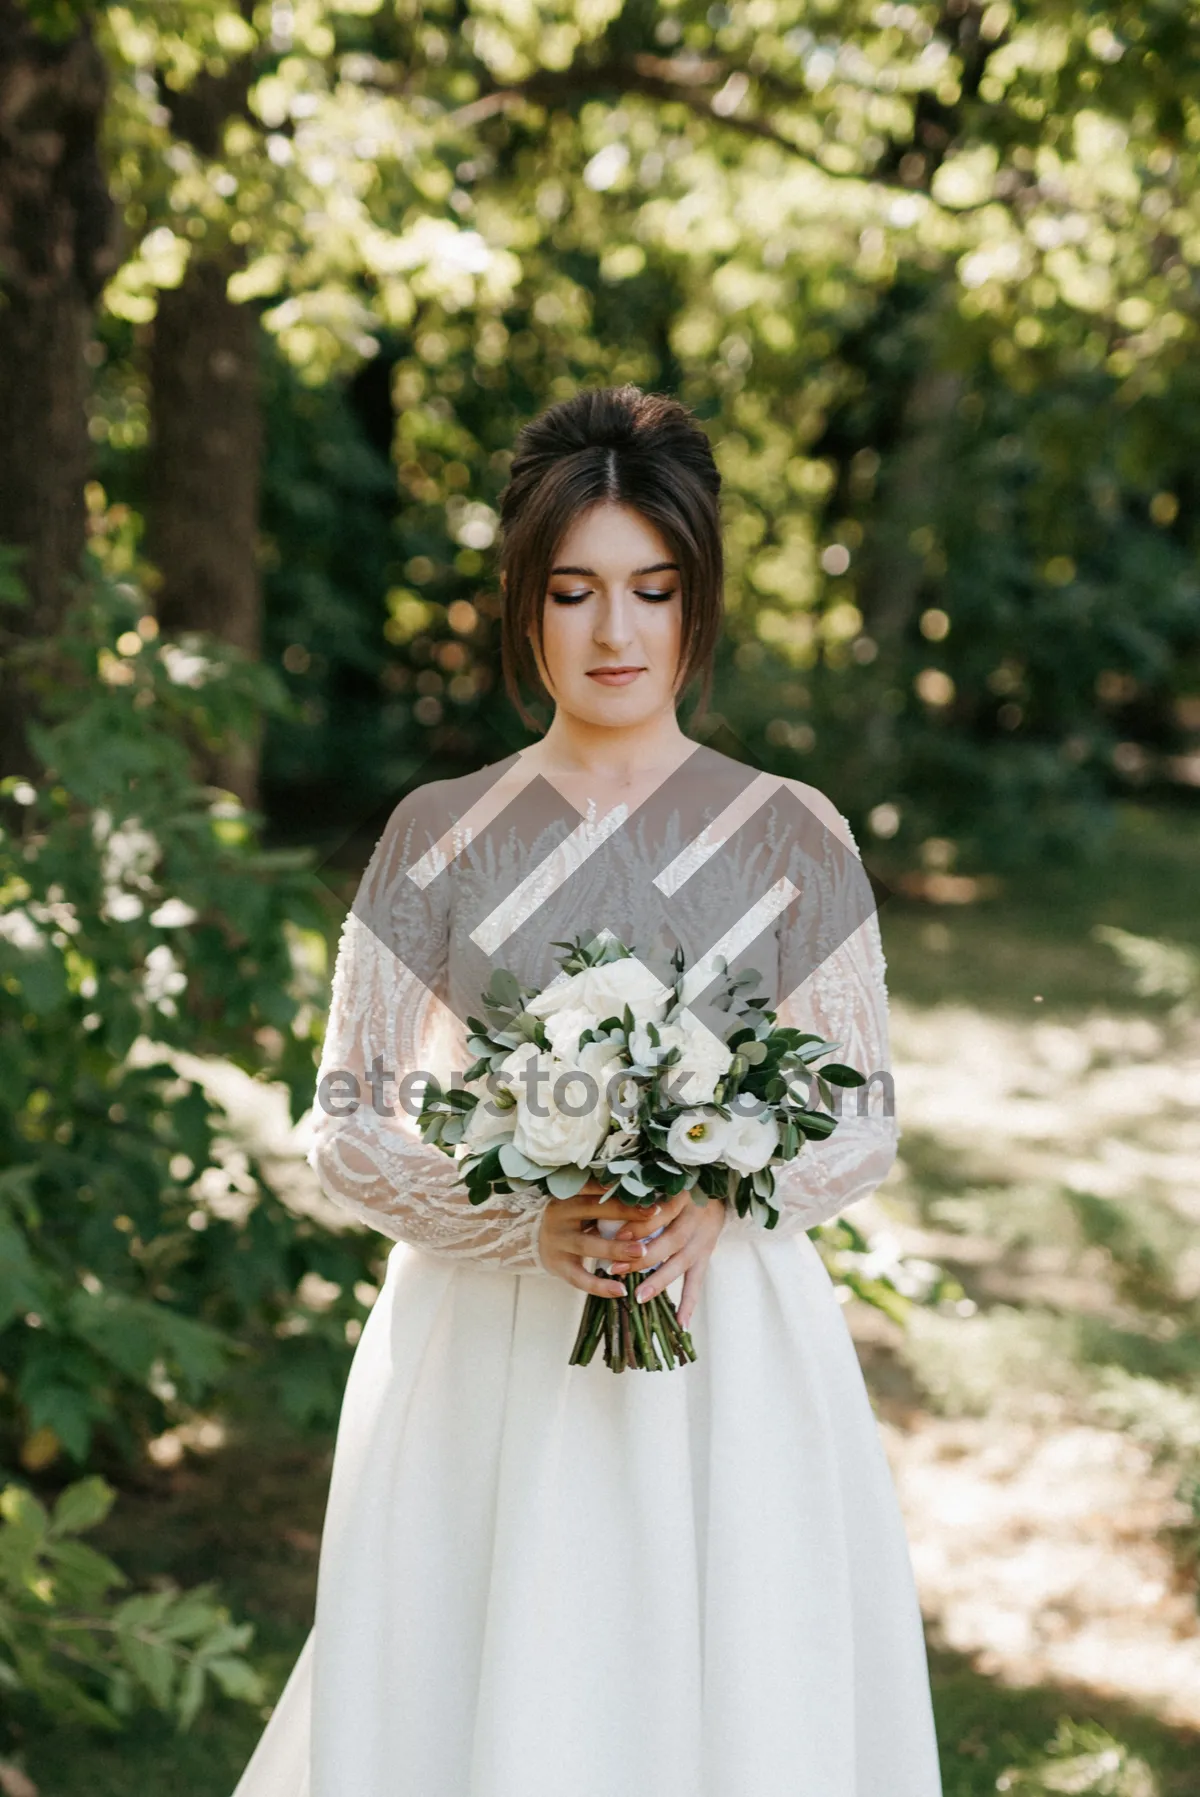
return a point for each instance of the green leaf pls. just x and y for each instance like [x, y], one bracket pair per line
[237, 1679]
[839, 1075]
[504, 991]
[82, 1505]
[565, 1182]
[152, 1663]
[516, 1164]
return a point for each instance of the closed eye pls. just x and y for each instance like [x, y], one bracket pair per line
[655, 597]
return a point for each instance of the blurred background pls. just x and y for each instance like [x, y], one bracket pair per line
[279, 282]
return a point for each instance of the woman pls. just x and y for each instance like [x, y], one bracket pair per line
[540, 1580]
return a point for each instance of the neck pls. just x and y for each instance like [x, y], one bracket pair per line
[574, 746]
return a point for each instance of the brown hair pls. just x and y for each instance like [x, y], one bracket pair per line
[625, 447]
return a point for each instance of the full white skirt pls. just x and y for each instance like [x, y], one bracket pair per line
[540, 1580]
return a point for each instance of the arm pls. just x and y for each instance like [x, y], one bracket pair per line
[385, 1017]
[843, 999]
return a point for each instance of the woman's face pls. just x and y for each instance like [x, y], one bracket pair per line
[612, 624]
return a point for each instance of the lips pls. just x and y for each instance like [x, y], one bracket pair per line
[614, 676]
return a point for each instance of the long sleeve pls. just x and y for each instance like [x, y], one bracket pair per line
[844, 999]
[387, 1023]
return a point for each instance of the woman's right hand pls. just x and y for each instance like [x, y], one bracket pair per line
[568, 1237]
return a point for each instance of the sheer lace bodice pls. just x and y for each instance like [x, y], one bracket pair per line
[493, 871]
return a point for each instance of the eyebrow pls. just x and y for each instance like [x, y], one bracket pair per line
[654, 568]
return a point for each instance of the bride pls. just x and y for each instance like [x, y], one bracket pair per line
[538, 1579]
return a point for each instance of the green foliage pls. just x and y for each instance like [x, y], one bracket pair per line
[145, 933]
[1085, 1760]
[57, 20]
[926, 272]
[73, 1646]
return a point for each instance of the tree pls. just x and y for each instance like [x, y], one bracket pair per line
[57, 248]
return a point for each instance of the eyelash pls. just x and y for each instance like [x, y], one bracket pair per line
[578, 598]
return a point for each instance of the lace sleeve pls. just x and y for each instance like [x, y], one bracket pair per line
[843, 998]
[387, 1024]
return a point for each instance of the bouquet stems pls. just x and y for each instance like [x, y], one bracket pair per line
[630, 1331]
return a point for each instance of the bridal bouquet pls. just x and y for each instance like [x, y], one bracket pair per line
[607, 1075]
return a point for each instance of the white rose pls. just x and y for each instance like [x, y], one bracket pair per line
[750, 1143]
[644, 1051]
[556, 1138]
[509, 1074]
[605, 992]
[601, 1060]
[703, 1057]
[564, 1028]
[626, 982]
[696, 1138]
[563, 995]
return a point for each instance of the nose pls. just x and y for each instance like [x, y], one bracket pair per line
[614, 621]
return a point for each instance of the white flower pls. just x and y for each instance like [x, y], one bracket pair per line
[564, 1028]
[163, 979]
[750, 1143]
[619, 1143]
[185, 667]
[696, 1138]
[488, 1122]
[605, 991]
[548, 1130]
[703, 1058]
[173, 914]
[19, 928]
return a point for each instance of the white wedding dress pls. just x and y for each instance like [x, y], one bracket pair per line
[540, 1580]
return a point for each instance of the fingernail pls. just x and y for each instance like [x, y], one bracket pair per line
[643, 1294]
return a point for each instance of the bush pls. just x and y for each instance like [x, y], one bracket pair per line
[141, 922]
[83, 1654]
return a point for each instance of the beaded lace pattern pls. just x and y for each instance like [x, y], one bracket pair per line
[377, 1166]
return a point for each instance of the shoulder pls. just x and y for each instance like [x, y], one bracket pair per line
[431, 812]
[824, 810]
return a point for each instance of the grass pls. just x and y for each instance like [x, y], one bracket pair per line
[249, 1515]
[1033, 938]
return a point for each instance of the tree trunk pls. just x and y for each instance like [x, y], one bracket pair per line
[206, 476]
[893, 571]
[56, 250]
[207, 433]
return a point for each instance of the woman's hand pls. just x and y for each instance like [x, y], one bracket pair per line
[685, 1246]
[568, 1236]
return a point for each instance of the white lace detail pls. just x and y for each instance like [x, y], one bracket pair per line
[377, 1165]
[845, 1000]
[384, 1017]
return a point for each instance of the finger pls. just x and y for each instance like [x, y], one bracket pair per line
[693, 1280]
[600, 1283]
[662, 1277]
[588, 1206]
[657, 1218]
[683, 1231]
[586, 1246]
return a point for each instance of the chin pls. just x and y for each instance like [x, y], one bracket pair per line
[625, 708]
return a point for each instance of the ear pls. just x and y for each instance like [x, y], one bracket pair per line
[503, 582]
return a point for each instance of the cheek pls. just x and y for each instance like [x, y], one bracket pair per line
[560, 633]
[667, 635]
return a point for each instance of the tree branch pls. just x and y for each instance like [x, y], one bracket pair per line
[697, 84]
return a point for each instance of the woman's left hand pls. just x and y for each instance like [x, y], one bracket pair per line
[686, 1244]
